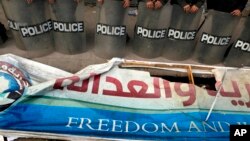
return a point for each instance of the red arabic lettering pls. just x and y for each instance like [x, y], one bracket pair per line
[143, 88]
[248, 91]
[82, 88]
[190, 93]
[59, 82]
[211, 92]
[118, 85]
[141, 93]
[96, 84]
[167, 89]
[235, 93]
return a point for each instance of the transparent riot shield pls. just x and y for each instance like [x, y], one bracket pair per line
[180, 41]
[151, 30]
[30, 25]
[110, 36]
[215, 37]
[239, 54]
[69, 33]
[8, 6]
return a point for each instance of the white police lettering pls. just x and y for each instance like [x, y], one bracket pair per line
[29, 31]
[181, 35]
[215, 40]
[150, 33]
[110, 30]
[243, 45]
[14, 25]
[68, 27]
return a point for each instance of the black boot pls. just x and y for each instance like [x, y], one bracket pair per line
[127, 38]
[3, 34]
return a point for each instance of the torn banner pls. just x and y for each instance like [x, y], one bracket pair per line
[108, 102]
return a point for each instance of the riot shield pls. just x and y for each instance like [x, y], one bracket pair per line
[180, 41]
[239, 54]
[30, 26]
[151, 30]
[215, 37]
[110, 36]
[69, 34]
[8, 6]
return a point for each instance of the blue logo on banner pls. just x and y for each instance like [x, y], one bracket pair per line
[8, 83]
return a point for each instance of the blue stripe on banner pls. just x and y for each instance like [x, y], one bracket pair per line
[114, 124]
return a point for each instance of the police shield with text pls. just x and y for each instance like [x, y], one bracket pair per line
[215, 37]
[69, 34]
[29, 23]
[110, 36]
[223, 16]
[9, 7]
[239, 54]
[151, 28]
[180, 41]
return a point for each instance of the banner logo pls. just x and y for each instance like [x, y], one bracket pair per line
[12, 81]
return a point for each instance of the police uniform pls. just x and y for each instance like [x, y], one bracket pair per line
[163, 1]
[3, 34]
[64, 12]
[226, 5]
[182, 3]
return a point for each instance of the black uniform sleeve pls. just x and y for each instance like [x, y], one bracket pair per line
[241, 4]
[182, 3]
[142, 0]
[199, 3]
[164, 1]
